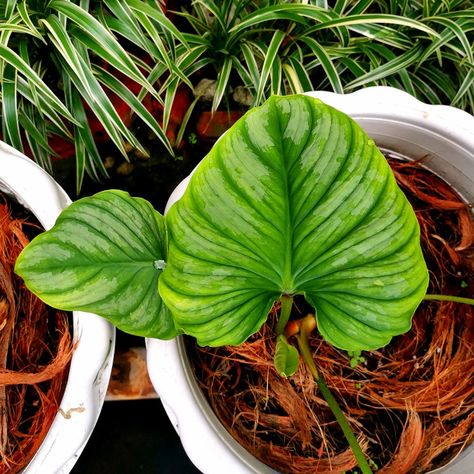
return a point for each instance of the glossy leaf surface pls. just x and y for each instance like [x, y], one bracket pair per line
[294, 199]
[105, 255]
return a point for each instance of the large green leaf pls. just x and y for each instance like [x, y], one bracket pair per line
[105, 254]
[294, 199]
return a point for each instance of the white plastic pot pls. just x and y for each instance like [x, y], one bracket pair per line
[92, 359]
[397, 122]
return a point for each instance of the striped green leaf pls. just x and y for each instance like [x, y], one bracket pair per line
[326, 63]
[222, 82]
[100, 40]
[393, 66]
[158, 16]
[294, 200]
[268, 63]
[10, 124]
[116, 86]
[105, 254]
[25, 70]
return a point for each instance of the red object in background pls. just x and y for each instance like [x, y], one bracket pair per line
[64, 148]
[181, 103]
[212, 126]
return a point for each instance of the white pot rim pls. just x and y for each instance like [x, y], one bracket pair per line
[92, 359]
[206, 442]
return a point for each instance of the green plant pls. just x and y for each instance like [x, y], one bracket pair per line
[58, 66]
[294, 200]
[275, 47]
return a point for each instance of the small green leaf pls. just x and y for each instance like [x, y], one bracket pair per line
[101, 256]
[286, 358]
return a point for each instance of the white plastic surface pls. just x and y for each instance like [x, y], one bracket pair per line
[397, 122]
[92, 359]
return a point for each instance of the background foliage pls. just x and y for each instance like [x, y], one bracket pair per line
[59, 60]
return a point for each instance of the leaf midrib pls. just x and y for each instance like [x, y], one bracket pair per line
[287, 276]
[135, 263]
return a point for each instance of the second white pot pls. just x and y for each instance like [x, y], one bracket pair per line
[397, 122]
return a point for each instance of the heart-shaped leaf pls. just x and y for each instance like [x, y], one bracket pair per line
[294, 199]
[105, 254]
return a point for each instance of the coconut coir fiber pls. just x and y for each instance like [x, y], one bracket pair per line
[35, 349]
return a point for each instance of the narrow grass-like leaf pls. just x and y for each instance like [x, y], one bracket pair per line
[276, 76]
[453, 29]
[25, 15]
[251, 62]
[33, 132]
[29, 92]
[128, 29]
[383, 34]
[391, 67]
[88, 157]
[467, 83]
[170, 95]
[222, 82]
[163, 53]
[10, 7]
[439, 80]
[353, 66]
[63, 43]
[100, 40]
[242, 72]
[184, 122]
[157, 15]
[270, 55]
[102, 108]
[360, 7]
[425, 90]
[326, 63]
[215, 11]
[79, 145]
[16, 28]
[293, 12]
[302, 74]
[458, 31]
[340, 6]
[24, 69]
[10, 125]
[388, 55]
[116, 86]
[370, 18]
[293, 79]
[40, 154]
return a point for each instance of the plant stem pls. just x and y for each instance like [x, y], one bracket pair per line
[305, 352]
[455, 299]
[285, 311]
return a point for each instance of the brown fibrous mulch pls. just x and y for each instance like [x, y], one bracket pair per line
[411, 403]
[35, 350]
